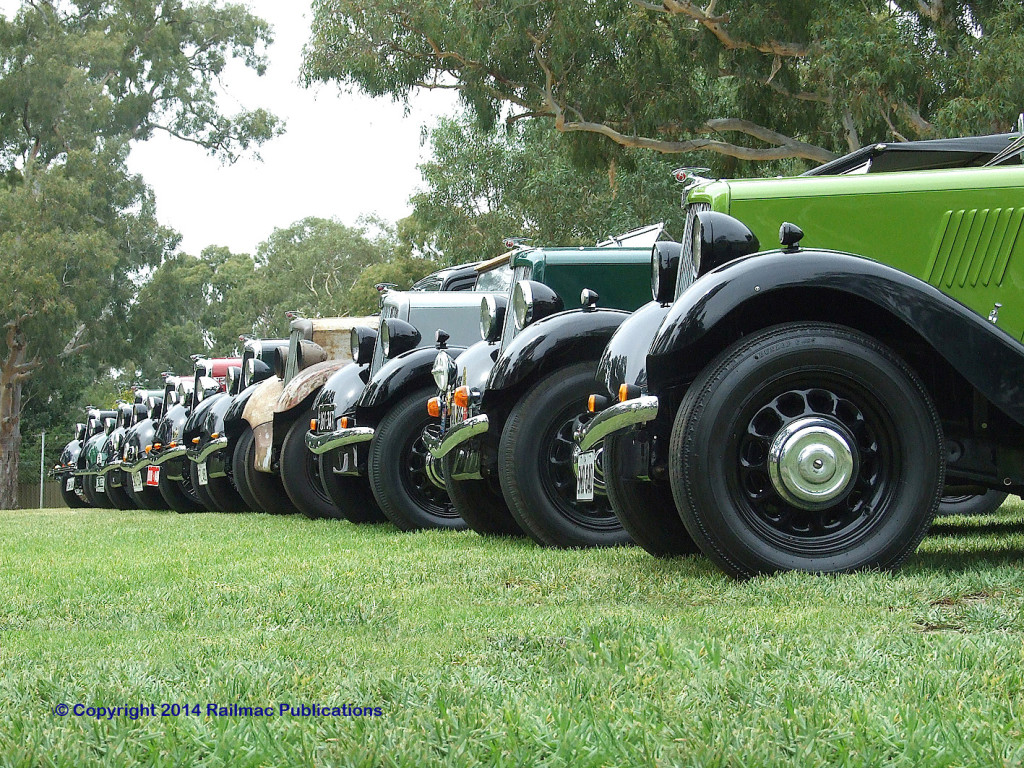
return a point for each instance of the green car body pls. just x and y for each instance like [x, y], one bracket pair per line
[955, 229]
[919, 272]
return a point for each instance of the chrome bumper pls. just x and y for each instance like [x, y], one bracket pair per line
[166, 455]
[199, 455]
[108, 468]
[637, 411]
[135, 466]
[440, 447]
[339, 438]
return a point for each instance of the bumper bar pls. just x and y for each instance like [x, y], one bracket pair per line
[319, 444]
[199, 455]
[440, 447]
[637, 411]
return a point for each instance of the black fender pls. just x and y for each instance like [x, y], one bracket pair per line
[234, 424]
[475, 364]
[139, 437]
[397, 377]
[768, 288]
[579, 334]
[169, 428]
[624, 360]
[196, 420]
[69, 456]
[342, 390]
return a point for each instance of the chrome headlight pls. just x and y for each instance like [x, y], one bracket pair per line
[234, 374]
[385, 339]
[492, 317]
[362, 341]
[397, 337]
[249, 372]
[522, 304]
[665, 265]
[443, 371]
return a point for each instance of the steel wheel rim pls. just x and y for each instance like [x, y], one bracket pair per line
[416, 478]
[852, 410]
[558, 476]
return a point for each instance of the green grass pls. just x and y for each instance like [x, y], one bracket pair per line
[496, 653]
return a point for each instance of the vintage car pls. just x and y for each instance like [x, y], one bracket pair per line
[99, 425]
[140, 480]
[509, 404]
[64, 471]
[807, 408]
[212, 430]
[167, 451]
[364, 479]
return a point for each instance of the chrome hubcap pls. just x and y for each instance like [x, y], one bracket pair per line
[812, 462]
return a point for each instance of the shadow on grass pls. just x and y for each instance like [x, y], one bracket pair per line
[976, 529]
[952, 562]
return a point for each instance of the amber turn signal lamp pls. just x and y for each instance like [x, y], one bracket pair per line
[434, 407]
[346, 422]
[628, 392]
[461, 397]
[312, 425]
[215, 435]
[596, 403]
[156, 446]
[195, 441]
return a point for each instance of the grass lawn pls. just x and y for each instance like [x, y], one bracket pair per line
[495, 653]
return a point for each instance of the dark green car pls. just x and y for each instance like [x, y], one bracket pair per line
[807, 408]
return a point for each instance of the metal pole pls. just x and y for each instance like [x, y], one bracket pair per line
[42, 458]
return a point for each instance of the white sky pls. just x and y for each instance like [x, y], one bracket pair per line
[342, 154]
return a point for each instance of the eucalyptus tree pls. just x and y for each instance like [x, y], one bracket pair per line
[80, 81]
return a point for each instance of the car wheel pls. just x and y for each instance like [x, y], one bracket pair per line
[351, 494]
[147, 498]
[98, 499]
[179, 494]
[243, 449]
[480, 503]
[300, 473]
[118, 495]
[403, 475]
[202, 491]
[807, 447]
[977, 504]
[266, 488]
[646, 510]
[70, 497]
[535, 465]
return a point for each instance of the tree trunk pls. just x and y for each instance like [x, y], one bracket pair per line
[11, 378]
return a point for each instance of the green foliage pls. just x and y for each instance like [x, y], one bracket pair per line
[482, 187]
[496, 652]
[754, 81]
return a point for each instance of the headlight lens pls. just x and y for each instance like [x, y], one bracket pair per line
[443, 370]
[695, 247]
[249, 372]
[353, 344]
[492, 316]
[522, 304]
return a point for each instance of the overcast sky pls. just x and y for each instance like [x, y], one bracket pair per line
[342, 155]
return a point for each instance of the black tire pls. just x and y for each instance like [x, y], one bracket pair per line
[646, 510]
[300, 473]
[147, 498]
[480, 503]
[535, 465]
[71, 498]
[118, 495]
[97, 499]
[823, 396]
[242, 453]
[202, 491]
[225, 494]
[399, 466]
[179, 494]
[266, 488]
[978, 504]
[350, 494]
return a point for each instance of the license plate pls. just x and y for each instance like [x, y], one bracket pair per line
[204, 478]
[585, 476]
[137, 483]
[153, 476]
[70, 484]
[101, 483]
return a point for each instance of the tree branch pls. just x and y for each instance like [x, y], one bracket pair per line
[716, 26]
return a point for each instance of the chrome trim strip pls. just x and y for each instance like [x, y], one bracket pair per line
[166, 455]
[202, 454]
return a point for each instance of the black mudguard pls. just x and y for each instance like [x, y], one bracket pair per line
[625, 357]
[572, 336]
[399, 376]
[823, 284]
[475, 364]
[234, 424]
[196, 420]
[343, 389]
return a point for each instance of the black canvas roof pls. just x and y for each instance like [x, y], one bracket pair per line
[885, 157]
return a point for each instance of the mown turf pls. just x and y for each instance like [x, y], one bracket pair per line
[496, 652]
